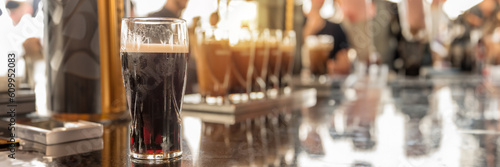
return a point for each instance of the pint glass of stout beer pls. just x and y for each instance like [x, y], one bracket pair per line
[154, 56]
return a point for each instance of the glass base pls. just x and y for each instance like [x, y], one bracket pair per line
[257, 95]
[272, 93]
[238, 97]
[214, 100]
[286, 90]
[156, 156]
[156, 162]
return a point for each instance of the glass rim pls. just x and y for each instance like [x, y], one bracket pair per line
[153, 20]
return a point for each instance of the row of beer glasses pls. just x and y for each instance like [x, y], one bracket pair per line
[241, 65]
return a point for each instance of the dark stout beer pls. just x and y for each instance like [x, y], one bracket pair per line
[154, 77]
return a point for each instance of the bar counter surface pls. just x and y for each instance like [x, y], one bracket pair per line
[440, 121]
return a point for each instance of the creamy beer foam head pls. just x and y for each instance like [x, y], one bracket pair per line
[241, 47]
[155, 48]
[287, 48]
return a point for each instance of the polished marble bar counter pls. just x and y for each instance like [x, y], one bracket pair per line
[440, 121]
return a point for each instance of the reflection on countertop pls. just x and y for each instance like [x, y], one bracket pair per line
[408, 122]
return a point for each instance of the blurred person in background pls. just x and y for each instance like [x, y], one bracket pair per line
[492, 46]
[24, 36]
[7, 26]
[338, 62]
[172, 8]
[476, 27]
[17, 9]
[357, 17]
[439, 35]
[485, 17]
[413, 47]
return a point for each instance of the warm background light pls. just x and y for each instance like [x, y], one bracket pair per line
[326, 11]
[240, 11]
[453, 8]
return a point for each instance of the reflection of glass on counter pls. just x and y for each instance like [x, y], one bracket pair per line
[309, 132]
[220, 141]
[57, 151]
[259, 141]
[116, 138]
[272, 132]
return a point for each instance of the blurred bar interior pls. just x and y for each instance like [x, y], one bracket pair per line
[278, 75]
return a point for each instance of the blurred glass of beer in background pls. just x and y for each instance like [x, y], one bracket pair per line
[273, 66]
[260, 64]
[213, 63]
[288, 44]
[318, 49]
[242, 60]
